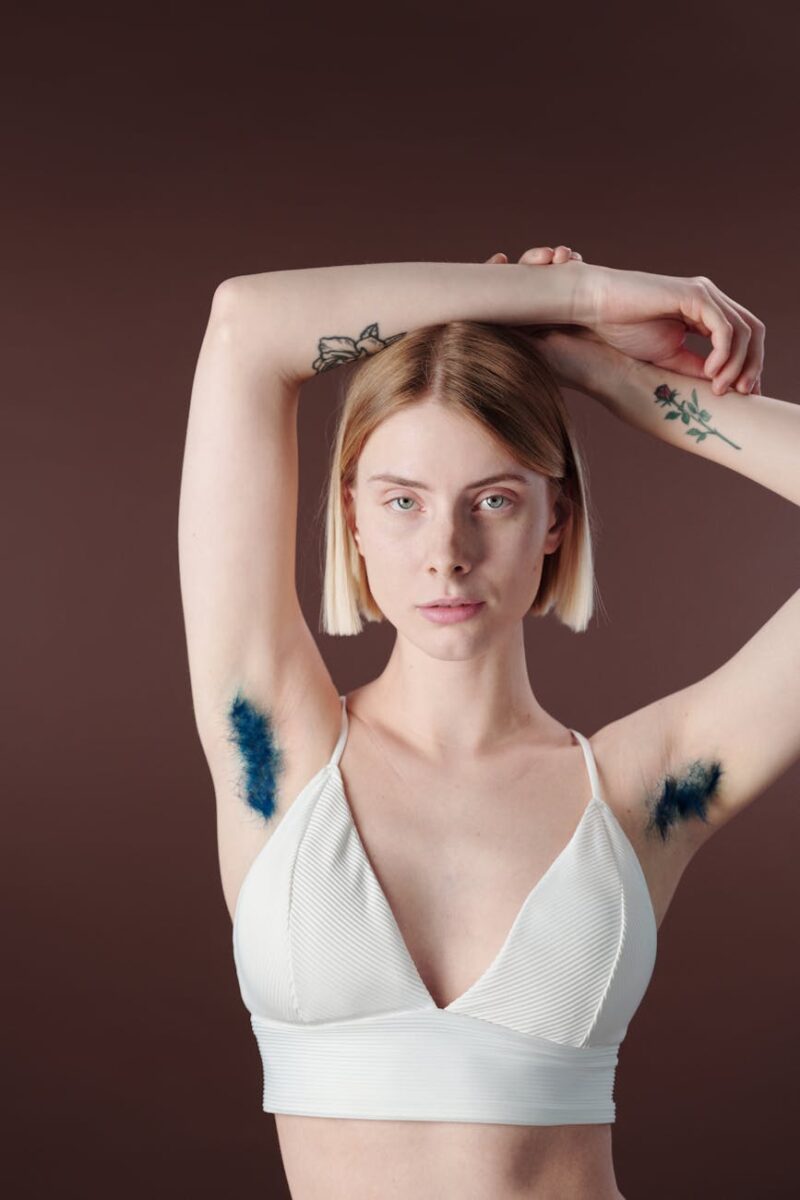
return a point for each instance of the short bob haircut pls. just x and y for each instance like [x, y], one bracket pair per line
[494, 374]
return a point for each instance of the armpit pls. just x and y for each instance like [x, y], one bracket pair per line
[252, 732]
[683, 796]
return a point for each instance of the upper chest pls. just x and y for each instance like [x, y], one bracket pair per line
[443, 837]
[458, 851]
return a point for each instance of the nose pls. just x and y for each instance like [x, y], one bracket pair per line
[449, 551]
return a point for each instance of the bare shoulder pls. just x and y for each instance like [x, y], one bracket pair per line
[657, 799]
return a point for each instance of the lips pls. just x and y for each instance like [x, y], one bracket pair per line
[449, 602]
[451, 612]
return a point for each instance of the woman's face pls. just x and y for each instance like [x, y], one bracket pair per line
[445, 531]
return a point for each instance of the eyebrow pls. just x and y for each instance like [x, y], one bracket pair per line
[415, 483]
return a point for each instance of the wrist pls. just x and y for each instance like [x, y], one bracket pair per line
[615, 376]
[586, 281]
[563, 292]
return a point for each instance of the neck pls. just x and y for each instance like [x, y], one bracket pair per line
[466, 707]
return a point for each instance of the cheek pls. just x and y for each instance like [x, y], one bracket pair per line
[385, 541]
[518, 542]
[393, 567]
[388, 560]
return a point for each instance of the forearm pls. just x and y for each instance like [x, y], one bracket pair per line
[758, 436]
[309, 320]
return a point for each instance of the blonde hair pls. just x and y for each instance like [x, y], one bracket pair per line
[494, 374]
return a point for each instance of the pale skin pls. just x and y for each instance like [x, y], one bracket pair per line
[621, 342]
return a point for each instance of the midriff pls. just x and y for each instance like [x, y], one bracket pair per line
[344, 1159]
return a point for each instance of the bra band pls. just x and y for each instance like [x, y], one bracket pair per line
[425, 1065]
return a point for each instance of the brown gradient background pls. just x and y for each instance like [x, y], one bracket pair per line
[148, 154]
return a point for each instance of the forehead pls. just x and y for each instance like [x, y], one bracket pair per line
[433, 436]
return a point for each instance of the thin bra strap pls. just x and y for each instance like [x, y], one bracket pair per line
[339, 747]
[591, 765]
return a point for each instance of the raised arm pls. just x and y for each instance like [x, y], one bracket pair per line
[238, 506]
[745, 715]
[313, 319]
[265, 706]
[757, 436]
[738, 729]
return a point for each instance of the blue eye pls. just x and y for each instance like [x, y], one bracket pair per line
[497, 496]
[493, 508]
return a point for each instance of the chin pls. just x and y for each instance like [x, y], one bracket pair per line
[452, 653]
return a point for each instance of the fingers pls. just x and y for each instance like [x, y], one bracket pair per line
[750, 372]
[704, 312]
[540, 255]
[736, 335]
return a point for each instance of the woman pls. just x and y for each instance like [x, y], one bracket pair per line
[445, 902]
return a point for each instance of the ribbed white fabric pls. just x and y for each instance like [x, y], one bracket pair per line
[346, 1027]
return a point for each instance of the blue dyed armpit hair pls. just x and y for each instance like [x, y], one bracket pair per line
[254, 737]
[686, 796]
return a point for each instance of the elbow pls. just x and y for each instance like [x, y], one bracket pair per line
[225, 298]
[241, 295]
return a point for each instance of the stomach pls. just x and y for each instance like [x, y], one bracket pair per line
[346, 1159]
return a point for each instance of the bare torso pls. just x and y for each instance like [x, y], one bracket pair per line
[455, 859]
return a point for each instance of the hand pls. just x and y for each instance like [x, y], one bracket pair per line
[648, 317]
[633, 310]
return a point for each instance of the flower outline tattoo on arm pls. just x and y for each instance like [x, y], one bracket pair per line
[335, 350]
